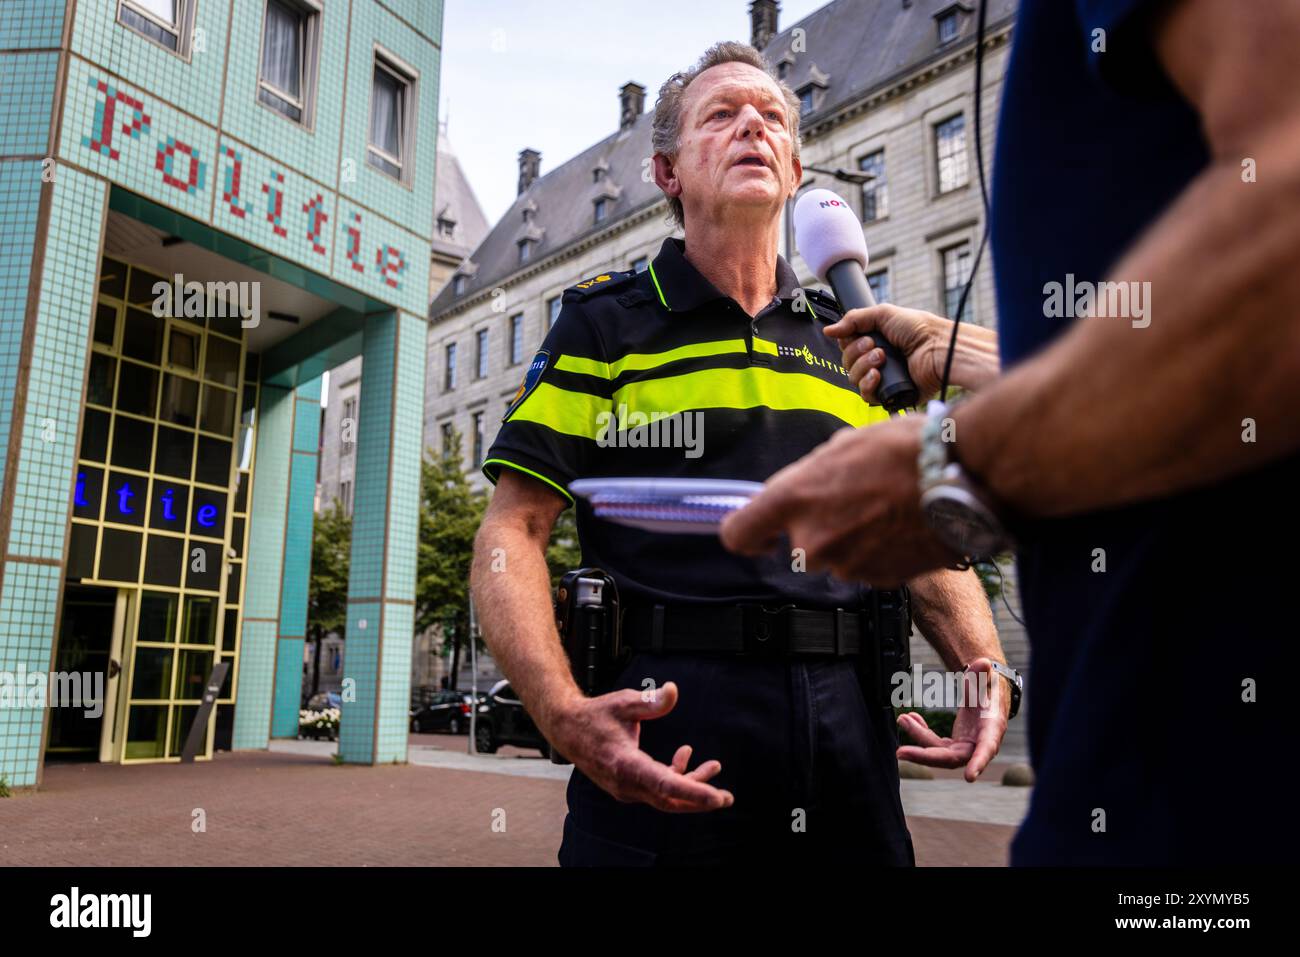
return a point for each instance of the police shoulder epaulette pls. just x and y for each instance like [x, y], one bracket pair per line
[598, 284]
[823, 301]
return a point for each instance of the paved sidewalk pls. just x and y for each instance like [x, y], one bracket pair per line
[293, 806]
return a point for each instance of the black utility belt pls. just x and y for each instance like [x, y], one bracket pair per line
[748, 629]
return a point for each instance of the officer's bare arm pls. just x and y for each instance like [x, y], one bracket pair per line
[512, 593]
[952, 611]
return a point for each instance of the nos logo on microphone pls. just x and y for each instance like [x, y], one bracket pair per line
[833, 202]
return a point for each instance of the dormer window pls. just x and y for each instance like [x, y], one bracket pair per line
[806, 100]
[601, 209]
[525, 251]
[446, 227]
[783, 69]
[458, 283]
[597, 175]
[948, 27]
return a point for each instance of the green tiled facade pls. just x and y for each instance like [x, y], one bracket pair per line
[125, 145]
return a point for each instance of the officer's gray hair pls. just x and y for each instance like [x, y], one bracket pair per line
[667, 129]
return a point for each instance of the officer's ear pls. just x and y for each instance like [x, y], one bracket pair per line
[666, 176]
[798, 176]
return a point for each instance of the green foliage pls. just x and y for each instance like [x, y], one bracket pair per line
[327, 601]
[450, 514]
[4, 787]
[562, 551]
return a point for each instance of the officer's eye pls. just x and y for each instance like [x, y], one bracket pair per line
[721, 113]
[773, 115]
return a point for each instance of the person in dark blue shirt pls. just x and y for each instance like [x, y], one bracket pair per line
[1140, 441]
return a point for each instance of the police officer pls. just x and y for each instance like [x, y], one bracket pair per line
[745, 660]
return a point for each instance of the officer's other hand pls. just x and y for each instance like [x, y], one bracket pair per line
[601, 737]
[977, 731]
[921, 337]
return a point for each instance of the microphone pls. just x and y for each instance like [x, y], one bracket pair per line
[829, 237]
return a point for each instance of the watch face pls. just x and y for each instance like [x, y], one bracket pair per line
[963, 524]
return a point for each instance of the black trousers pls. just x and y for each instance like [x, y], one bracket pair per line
[812, 769]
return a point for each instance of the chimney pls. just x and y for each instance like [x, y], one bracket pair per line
[530, 165]
[762, 22]
[631, 103]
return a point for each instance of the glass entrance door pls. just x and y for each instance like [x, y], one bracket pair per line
[82, 666]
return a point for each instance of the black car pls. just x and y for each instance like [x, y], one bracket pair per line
[502, 720]
[443, 711]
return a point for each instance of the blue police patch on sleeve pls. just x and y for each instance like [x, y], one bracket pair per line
[531, 378]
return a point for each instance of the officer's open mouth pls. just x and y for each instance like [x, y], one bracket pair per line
[750, 160]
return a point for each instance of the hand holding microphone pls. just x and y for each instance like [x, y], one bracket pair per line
[829, 237]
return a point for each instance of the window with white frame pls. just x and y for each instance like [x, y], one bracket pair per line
[348, 426]
[478, 439]
[286, 79]
[449, 369]
[392, 115]
[516, 339]
[458, 283]
[879, 283]
[956, 270]
[168, 23]
[481, 354]
[948, 27]
[875, 192]
[950, 152]
[553, 310]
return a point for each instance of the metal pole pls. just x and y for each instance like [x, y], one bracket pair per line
[473, 677]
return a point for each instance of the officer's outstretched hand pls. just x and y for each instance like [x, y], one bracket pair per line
[601, 737]
[977, 731]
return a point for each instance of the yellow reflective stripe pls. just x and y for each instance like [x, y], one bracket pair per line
[573, 413]
[764, 345]
[583, 366]
[746, 389]
[637, 361]
[658, 289]
[520, 468]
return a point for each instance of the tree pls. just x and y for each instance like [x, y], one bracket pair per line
[450, 514]
[327, 597]
[562, 551]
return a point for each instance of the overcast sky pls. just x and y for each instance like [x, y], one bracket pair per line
[518, 73]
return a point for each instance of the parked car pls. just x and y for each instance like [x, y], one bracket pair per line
[444, 711]
[502, 720]
[324, 700]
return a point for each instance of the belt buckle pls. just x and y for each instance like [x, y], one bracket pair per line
[766, 630]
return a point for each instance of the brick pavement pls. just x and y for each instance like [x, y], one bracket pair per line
[279, 808]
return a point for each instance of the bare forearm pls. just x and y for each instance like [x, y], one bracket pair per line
[1115, 413]
[952, 611]
[512, 594]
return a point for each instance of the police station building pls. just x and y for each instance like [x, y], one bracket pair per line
[205, 204]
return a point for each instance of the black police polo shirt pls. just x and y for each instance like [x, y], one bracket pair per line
[734, 398]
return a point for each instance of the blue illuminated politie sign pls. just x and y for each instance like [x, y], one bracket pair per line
[122, 498]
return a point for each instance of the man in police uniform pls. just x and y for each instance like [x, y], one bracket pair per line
[799, 760]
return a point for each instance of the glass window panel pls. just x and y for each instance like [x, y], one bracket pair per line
[183, 349]
[126, 500]
[230, 632]
[218, 410]
[241, 492]
[208, 514]
[112, 278]
[213, 466]
[163, 560]
[182, 718]
[141, 288]
[282, 37]
[132, 443]
[94, 435]
[157, 617]
[87, 490]
[164, 10]
[142, 335]
[146, 729]
[386, 112]
[99, 385]
[180, 400]
[137, 390]
[119, 556]
[234, 579]
[105, 323]
[222, 362]
[175, 452]
[237, 536]
[203, 565]
[200, 621]
[153, 671]
[81, 552]
[168, 505]
[143, 25]
[252, 364]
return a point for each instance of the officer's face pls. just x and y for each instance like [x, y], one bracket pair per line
[736, 148]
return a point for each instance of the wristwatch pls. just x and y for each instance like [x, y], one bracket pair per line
[957, 510]
[1015, 680]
